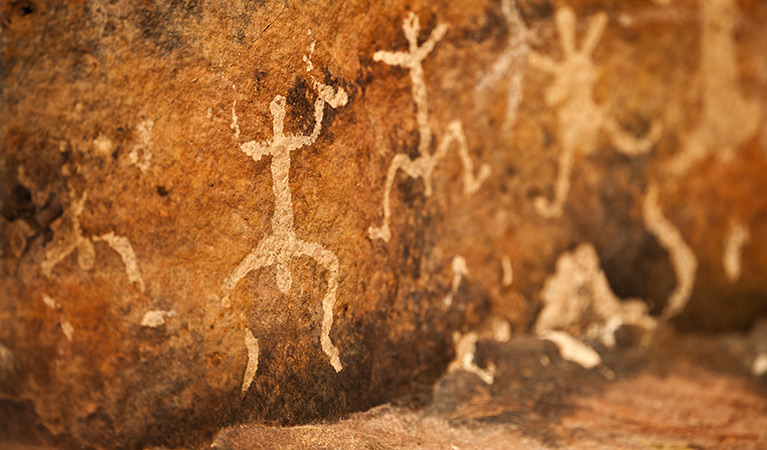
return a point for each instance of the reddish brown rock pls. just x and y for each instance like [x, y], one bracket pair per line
[279, 213]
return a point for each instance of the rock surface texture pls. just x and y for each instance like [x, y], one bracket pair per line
[275, 212]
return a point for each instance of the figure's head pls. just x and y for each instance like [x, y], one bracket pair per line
[277, 107]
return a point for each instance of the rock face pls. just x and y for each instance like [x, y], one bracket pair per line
[276, 213]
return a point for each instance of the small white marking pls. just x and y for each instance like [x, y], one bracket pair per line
[234, 126]
[103, 145]
[122, 246]
[251, 343]
[140, 155]
[508, 273]
[308, 58]
[682, 257]
[580, 118]
[156, 318]
[423, 166]
[460, 270]
[67, 329]
[51, 303]
[465, 347]
[283, 244]
[737, 237]
[501, 329]
[7, 360]
[572, 349]
[759, 367]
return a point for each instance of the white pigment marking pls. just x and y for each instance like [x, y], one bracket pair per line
[423, 166]
[759, 366]
[501, 329]
[234, 126]
[508, 273]
[460, 270]
[682, 258]
[103, 145]
[51, 303]
[571, 349]
[67, 329]
[580, 118]
[7, 361]
[156, 318]
[465, 347]
[728, 118]
[283, 244]
[140, 155]
[251, 343]
[737, 237]
[308, 58]
[122, 246]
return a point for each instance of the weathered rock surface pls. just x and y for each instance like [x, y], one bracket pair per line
[278, 213]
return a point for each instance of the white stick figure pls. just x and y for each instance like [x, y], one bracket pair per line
[423, 166]
[580, 118]
[283, 245]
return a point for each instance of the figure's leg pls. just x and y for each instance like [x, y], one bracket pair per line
[261, 256]
[550, 209]
[455, 133]
[329, 261]
[628, 144]
[399, 161]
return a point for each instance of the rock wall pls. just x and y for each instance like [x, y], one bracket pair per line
[277, 212]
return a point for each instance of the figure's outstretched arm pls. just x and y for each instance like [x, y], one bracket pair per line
[256, 149]
[401, 59]
[426, 48]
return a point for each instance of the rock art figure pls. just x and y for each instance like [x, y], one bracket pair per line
[512, 60]
[728, 118]
[283, 244]
[423, 166]
[580, 118]
[66, 243]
